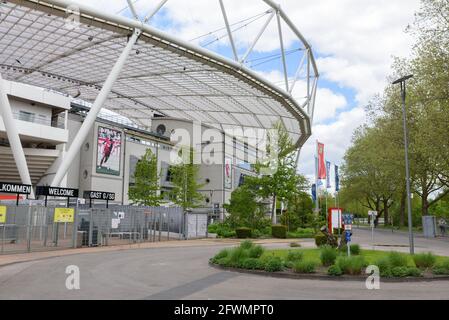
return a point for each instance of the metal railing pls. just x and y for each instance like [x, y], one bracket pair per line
[33, 228]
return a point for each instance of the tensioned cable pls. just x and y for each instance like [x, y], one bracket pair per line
[235, 30]
[125, 8]
[232, 25]
[277, 57]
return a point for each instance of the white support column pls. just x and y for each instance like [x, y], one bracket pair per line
[133, 9]
[250, 49]
[156, 10]
[311, 108]
[96, 108]
[309, 56]
[231, 39]
[284, 61]
[13, 135]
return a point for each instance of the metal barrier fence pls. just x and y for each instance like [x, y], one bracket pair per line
[33, 228]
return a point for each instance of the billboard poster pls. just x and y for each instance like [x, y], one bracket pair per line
[228, 173]
[109, 151]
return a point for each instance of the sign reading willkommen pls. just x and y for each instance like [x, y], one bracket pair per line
[3, 211]
[64, 215]
[15, 188]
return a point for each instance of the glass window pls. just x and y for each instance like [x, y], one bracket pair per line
[26, 116]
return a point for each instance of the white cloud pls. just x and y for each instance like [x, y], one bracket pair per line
[336, 137]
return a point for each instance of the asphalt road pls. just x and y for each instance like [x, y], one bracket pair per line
[184, 273]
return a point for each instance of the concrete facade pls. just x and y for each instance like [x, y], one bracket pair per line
[49, 122]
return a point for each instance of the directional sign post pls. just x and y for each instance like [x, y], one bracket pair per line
[57, 192]
[348, 220]
[373, 215]
[14, 188]
[99, 195]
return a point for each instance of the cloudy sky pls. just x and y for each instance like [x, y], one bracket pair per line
[353, 41]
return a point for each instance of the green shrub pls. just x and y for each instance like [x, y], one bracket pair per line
[295, 256]
[335, 271]
[273, 264]
[441, 268]
[252, 264]
[222, 254]
[279, 231]
[355, 249]
[256, 252]
[304, 267]
[320, 240]
[247, 244]
[295, 245]
[256, 234]
[397, 259]
[351, 265]
[343, 249]
[302, 233]
[227, 234]
[328, 255]
[212, 228]
[243, 233]
[438, 271]
[237, 255]
[305, 230]
[402, 272]
[225, 262]
[384, 267]
[424, 260]
[222, 230]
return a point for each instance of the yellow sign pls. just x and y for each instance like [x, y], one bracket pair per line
[3, 211]
[64, 215]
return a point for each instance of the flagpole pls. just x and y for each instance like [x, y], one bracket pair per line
[317, 208]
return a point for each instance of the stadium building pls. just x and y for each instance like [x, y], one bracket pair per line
[84, 94]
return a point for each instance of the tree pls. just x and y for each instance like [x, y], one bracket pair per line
[368, 180]
[244, 209]
[282, 181]
[185, 181]
[299, 211]
[146, 189]
[371, 172]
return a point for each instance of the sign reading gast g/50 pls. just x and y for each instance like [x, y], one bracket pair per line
[99, 195]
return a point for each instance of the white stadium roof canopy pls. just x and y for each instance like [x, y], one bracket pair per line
[161, 75]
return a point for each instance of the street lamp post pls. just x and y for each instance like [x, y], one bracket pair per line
[402, 81]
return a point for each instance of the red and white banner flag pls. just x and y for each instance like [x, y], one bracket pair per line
[321, 162]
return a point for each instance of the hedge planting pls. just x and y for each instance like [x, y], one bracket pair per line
[243, 233]
[279, 231]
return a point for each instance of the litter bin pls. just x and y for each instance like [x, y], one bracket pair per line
[429, 224]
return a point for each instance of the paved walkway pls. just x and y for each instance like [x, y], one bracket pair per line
[42, 255]
[180, 270]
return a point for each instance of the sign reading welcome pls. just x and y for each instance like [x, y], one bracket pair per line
[57, 192]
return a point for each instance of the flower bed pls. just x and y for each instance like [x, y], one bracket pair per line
[331, 263]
